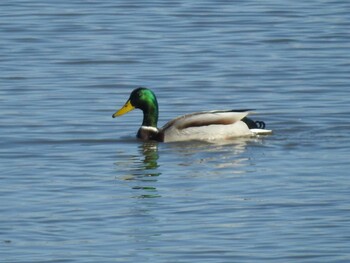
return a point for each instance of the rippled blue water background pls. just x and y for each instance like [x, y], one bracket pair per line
[76, 186]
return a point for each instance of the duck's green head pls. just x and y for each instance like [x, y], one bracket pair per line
[145, 100]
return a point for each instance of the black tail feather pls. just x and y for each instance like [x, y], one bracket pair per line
[260, 124]
[254, 124]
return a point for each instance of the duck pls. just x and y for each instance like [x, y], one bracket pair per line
[200, 126]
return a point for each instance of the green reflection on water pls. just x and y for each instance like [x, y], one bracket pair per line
[142, 169]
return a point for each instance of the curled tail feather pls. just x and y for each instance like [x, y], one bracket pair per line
[254, 124]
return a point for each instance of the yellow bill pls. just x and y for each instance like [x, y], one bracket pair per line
[125, 109]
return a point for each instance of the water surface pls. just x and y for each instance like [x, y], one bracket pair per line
[78, 187]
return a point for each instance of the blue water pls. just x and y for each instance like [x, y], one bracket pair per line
[76, 186]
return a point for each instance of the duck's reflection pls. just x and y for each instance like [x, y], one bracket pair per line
[144, 170]
[150, 153]
[141, 168]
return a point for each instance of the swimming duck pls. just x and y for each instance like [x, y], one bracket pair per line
[207, 125]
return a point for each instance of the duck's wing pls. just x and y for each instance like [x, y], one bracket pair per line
[200, 119]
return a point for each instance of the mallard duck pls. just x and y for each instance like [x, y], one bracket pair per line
[207, 126]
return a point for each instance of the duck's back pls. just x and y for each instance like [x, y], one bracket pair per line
[207, 126]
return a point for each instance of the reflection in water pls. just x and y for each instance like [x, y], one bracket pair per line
[237, 145]
[139, 164]
[231, 157]
[141, 168]
[150, 152]
[144, 168]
